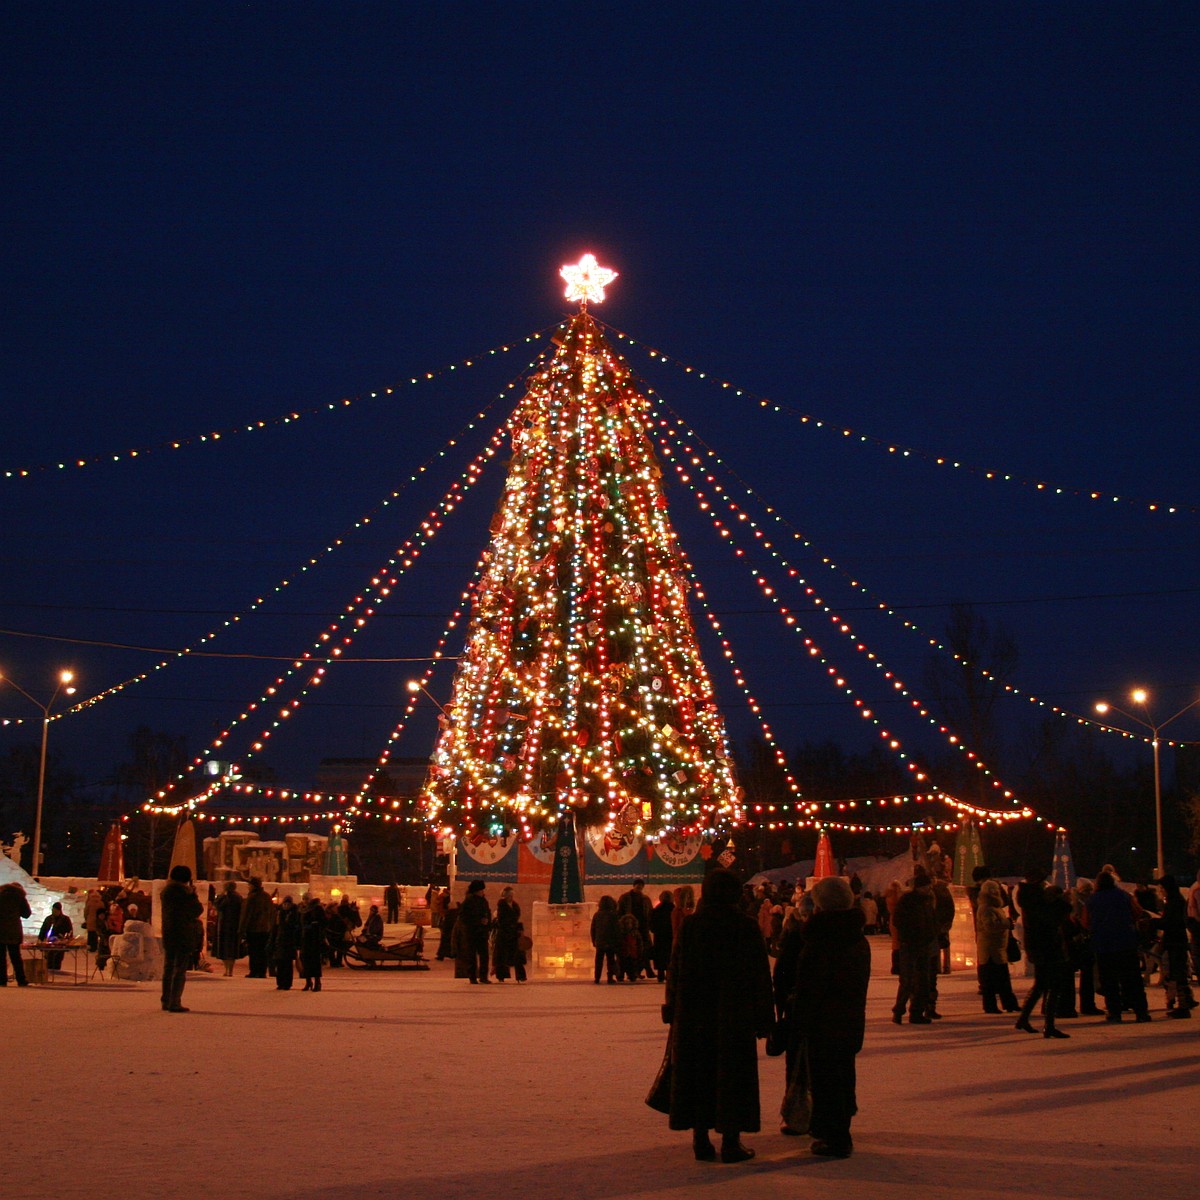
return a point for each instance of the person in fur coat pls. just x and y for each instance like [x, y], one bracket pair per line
[827, 1011]
[718, 1002]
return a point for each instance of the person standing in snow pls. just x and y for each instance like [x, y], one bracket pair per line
[718, 1002]
[914, 931]
[606, 938]
[181, 910]
[254, 926]
[636, 903]
[227, 941]
[992, 929]
[1112, 917]
[285, 942]
[661, 926]
[474, 926]
[826, 1012]
[312, 944]
[1044, 916]
[14, 905]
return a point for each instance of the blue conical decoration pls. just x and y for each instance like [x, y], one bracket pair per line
[336, 861]
[968, 852]
[566, 884]
[1062, 874]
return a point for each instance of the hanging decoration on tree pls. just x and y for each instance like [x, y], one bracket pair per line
[581, 690]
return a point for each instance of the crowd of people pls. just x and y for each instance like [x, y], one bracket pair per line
[1099, 943]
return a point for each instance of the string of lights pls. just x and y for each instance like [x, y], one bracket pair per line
[875, 604]
[902, 451]
[332, 641]
[289, 418]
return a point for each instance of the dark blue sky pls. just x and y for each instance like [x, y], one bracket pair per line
[970, 229]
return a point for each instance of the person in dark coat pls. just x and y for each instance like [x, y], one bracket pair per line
[285, 942]
[372, 933]
[474, 926]
[258, 916]
[180, 911]
[337, 935]
[636, 903]
[914, 925]
[227, 938]
[826, 1011]
[1044, 916]
[1173, 925]
[57, 927]
[606, 937]
[661, 930]
[312, 944]
[14, 907]
[1112, 917]
[507, 956]
[391, 900]
[718, 1002]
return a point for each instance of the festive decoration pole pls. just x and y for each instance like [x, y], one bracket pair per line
[581, 692]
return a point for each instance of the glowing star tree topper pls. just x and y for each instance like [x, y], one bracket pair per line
[586, 280]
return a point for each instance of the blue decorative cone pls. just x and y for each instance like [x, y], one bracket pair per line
[336, 861]
[566, 884]
[1062, 874]
[968, 852]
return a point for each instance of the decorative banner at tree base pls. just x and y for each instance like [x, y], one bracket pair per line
[614, 856]
[566, 886]
[491, 858]
[675, 860]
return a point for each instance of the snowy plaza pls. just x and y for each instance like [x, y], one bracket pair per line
[417, 1085]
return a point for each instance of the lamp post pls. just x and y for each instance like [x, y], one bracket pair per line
[1141, 698]
[64, 686]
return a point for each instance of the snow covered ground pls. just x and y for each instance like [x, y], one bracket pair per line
[417, 1085]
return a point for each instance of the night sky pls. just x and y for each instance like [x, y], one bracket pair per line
[965, 229]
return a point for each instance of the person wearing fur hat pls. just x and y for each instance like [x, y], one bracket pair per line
[827, 1011]
[718, 1002]
[992, 927]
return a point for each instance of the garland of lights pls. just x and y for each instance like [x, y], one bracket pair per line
[894, 448]
[381, 584]
[195, 649]
[878, 605]
[841, 626]
[271, 422]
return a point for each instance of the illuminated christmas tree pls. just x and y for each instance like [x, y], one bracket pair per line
[581, 691]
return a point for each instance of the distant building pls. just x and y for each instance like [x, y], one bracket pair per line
[403, 778]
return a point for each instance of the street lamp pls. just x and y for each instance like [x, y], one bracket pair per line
[1141, 698]
[64, 686]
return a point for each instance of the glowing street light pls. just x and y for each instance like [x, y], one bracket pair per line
[1141, 698]
[64, 686]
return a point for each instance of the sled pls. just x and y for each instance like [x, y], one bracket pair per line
[408, 953]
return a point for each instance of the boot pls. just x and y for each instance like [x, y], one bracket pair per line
[308, 987]
[317, 985]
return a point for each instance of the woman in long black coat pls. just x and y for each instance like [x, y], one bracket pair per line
[312, 944]
[718, 1003]
[507, 956]
[285, 941]
[229, 917]
[827, 1011]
